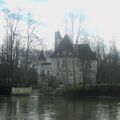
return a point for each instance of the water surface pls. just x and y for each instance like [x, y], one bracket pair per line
[36, 107]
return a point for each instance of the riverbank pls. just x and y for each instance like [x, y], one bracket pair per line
[87, 91]
[5, 90]
[82, 91]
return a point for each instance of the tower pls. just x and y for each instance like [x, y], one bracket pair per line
[58, 39]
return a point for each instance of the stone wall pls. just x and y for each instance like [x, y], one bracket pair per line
[93, 72]
[68, 70]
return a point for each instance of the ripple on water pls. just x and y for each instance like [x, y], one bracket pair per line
[57, 108]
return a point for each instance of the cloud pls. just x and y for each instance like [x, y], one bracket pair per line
[102, 16]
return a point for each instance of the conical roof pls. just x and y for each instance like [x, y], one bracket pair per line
[66, 48]
[42, 56]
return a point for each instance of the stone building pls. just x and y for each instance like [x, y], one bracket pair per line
[72, 65]
[44, 69]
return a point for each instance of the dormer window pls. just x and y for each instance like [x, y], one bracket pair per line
[64, 52]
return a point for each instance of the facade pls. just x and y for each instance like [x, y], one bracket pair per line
[72, 65]
[44, 69]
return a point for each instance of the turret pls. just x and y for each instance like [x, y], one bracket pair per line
[58, 39]
[42, 56]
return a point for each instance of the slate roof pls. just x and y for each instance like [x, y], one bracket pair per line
[65, 49]
[42, 56]
[68, 49]
[85, 52]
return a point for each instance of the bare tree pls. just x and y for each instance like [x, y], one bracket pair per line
[74, 26]
[17, 50]
[113, 54]
[10, 47]
[32, 38]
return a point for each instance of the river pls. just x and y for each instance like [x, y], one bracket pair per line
[37, 107]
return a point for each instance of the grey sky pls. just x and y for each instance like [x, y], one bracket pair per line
[102, 16]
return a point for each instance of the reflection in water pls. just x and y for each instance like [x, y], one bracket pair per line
[58, 108]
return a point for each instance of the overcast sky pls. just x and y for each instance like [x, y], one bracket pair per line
[101, 16]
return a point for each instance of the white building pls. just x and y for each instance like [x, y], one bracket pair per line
[71, 64]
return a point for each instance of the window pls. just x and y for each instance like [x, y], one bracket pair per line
[58, 64]
[64, 64]
[48, 72]
[70, 74]
[80, 69]
[57, 74]
[43, 73]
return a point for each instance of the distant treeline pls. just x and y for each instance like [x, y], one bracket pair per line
[108, 63]
[18, 56]
[18, 74]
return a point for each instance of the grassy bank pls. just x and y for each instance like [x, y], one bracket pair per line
[98, 90]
